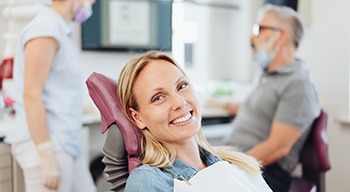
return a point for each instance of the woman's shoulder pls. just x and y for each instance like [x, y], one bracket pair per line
[146, 168]
[44, 17]
[43, 24]
[148, 178]
[146, 172]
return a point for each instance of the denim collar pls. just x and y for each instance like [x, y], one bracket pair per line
[181, 171]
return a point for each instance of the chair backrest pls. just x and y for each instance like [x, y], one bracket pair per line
[6, 70]
[315, 151]
[314, 155]
[103, 91]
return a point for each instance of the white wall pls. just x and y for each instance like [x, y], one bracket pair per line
[326, 51]
[221, 49]
[107, 63]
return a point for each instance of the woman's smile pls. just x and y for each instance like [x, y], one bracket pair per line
[182, 119]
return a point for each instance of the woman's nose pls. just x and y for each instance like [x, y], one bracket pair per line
[178, 102]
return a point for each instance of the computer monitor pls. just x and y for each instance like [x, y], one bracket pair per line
[289, 3]
[124, 25]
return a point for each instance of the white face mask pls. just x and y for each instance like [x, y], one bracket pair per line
[83, 13]
[262, 57]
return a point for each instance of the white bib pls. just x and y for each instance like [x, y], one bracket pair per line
[224, 177]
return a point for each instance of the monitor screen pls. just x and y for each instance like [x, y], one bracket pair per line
[289, 3]
[126, 25]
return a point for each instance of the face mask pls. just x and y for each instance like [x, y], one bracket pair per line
[262, 57]
[82, 14]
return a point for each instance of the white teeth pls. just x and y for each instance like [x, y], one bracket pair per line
[182, 119]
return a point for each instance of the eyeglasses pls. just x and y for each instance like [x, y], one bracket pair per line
[257, 28]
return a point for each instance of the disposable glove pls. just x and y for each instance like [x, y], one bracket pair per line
[50, 171]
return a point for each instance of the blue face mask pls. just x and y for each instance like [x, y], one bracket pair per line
[83, 13]
[262, 57]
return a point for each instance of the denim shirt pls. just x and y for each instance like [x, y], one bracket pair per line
[147, 178]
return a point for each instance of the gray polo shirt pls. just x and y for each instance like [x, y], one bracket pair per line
[286, 95]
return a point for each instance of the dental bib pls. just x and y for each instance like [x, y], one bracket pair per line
[225, 177]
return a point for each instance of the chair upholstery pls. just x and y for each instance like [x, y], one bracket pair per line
[315, 151]
[313, 158]
[6, 70]
[122, 145]
[302, 185]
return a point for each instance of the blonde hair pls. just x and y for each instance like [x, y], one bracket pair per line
[159, 153]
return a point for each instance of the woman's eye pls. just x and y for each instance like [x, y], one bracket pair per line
[157, 98]
[182, 86]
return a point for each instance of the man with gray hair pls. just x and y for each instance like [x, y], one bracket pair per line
[275, 119]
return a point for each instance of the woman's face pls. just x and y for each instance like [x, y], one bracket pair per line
[167, 103]
[81, 2]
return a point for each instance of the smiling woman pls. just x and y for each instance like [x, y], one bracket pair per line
[174, 153]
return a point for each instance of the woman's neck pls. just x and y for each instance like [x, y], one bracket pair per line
[189, 153]
[64, 8]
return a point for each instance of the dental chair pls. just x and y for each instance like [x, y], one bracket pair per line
[313, 159]
[122, 144]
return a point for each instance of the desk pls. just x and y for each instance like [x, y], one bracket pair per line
[215, 132]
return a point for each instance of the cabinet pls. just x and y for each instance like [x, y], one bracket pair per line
[5, 168]
[11, 175]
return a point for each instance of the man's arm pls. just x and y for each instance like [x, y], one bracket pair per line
[280, 141]
[232, 108]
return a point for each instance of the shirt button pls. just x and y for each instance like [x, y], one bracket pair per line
[263, 80]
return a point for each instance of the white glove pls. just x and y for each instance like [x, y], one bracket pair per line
[50, 171]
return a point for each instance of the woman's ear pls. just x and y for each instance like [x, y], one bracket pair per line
[137, 118]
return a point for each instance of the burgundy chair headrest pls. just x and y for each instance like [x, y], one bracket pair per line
[315, 151]
[103, 91]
